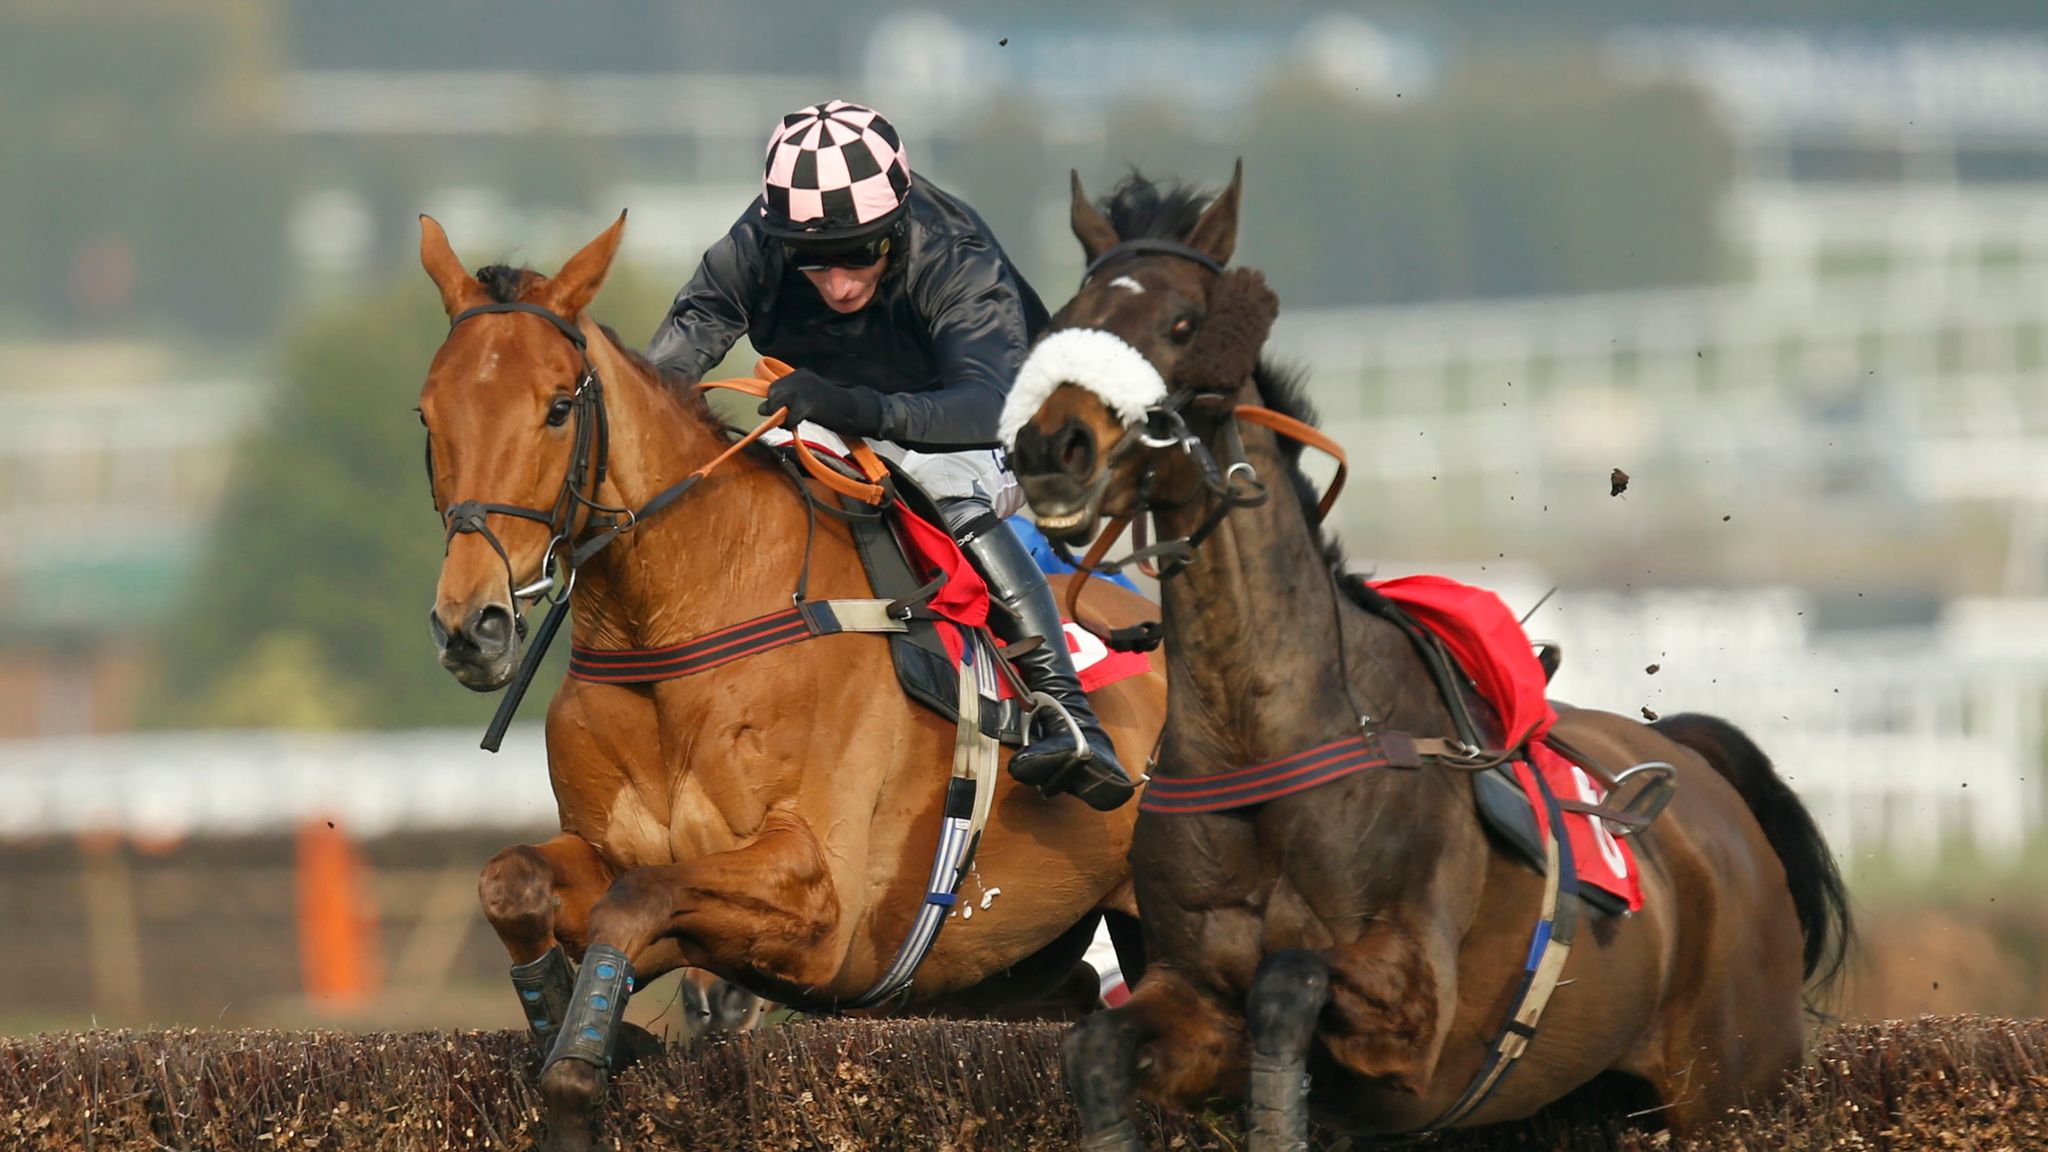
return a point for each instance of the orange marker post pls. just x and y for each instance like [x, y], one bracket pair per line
[337, 926]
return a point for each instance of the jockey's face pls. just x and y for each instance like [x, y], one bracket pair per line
[847, 289]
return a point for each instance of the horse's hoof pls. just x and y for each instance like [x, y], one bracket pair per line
[572, 1085]
[573, 1091]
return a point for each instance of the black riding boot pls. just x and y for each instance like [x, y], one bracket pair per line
[1052, 762]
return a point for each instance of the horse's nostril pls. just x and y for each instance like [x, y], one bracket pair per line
[1074, 449]
[437, 629]
[491, 627]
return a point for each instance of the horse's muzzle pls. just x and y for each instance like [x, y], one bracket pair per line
[1060, 480]
[1067, 510]
[483, 651]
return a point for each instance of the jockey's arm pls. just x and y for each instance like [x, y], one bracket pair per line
[971, 299]
[710, 313]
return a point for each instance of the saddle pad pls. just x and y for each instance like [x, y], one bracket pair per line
[1489, 646]
[904, 551]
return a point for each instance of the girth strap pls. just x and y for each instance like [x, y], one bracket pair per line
[1542, 971]
[1244, 787]
[810, 619]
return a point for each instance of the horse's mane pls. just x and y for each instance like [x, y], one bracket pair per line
[1144, 209]
[1140, 208]
[505, 283]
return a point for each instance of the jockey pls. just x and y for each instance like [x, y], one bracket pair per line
[907, 323]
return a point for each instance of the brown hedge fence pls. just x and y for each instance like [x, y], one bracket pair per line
[1935, 1082]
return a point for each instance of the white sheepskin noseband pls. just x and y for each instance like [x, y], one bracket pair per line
[1089, 358]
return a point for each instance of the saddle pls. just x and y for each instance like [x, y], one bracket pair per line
[925, 667]
[1504, 807]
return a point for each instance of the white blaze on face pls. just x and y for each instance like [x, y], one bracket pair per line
[1088, 358]
[1128, 285]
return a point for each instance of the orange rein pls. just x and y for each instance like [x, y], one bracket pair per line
[767, 371]
[1314, 437]
[1278, 423]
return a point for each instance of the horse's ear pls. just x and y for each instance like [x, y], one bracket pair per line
[1216, 232]
[571, 289]
[1091, 227]
[1225, 351]
[459, 289]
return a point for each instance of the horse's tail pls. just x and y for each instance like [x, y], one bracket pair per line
[1818, 894]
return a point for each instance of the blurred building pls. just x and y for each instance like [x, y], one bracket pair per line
[112, 461]
[1872, 362]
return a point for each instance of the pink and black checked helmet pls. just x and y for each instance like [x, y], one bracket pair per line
[834, 171]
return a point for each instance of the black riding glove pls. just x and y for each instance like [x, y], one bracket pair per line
[848, 409]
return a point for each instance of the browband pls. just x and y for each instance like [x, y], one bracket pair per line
[574, 334]
[1165, 247]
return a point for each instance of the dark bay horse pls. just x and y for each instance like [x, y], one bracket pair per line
[772, 820]
[1367, 932]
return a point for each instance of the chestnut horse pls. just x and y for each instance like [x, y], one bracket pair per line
[1365, 936]
[772, 820]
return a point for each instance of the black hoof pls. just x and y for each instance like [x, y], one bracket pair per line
[573, 1091]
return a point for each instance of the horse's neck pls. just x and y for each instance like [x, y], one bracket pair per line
[728, 550]
[1255, 670]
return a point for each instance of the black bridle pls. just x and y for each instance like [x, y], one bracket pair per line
[1147, 244]
[1234, 484]
[590, 448]
[589, 451]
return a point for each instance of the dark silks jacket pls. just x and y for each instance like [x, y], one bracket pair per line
[942, 339]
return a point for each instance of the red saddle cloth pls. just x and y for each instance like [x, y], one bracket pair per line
[1489, 644]
[963, 600]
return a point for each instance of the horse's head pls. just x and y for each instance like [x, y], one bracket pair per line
[1157, 326]
[506, 410]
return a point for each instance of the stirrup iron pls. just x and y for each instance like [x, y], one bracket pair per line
[1083, 751]
[1660, 785]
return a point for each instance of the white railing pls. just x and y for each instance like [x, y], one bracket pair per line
[1902, 741]
[182, 783]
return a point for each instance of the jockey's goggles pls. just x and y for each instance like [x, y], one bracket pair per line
[863, 252]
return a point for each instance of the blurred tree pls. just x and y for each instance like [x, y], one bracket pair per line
[325, 553]
[310, 607]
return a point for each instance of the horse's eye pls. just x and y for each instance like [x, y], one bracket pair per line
[422, 415]
[1184, 329]
[558, 412]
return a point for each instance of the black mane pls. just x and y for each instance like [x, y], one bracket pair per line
[1140, 208]
[1283, 388]
[503, 283]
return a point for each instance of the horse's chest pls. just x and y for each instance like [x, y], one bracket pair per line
[1211, 891]
[643, 831]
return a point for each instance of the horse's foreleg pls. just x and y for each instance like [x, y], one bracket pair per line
[1100, 1058]
[1287, 996]
[1170, 1037]
[768, 907]
[1389, 1003]
[534, 895]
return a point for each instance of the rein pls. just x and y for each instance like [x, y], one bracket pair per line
[1235, 485]
[589, 455]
